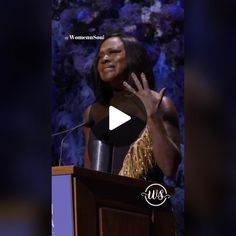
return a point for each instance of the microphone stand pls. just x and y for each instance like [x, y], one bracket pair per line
[69, 131]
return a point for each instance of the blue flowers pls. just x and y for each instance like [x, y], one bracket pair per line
[161, 68]
[155, 23]
[174, 10]
[131, 13]
[82, 14]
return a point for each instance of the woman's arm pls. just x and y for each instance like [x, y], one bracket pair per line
[162, 121]
[164, 130]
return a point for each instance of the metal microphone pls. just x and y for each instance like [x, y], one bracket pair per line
[88, 123]
[85, 123]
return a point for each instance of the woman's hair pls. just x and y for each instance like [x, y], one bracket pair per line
[137, 61]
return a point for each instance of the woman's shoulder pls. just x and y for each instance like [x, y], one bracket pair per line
[93, 106]
[96, 111]
[167, 108]
[87, 112]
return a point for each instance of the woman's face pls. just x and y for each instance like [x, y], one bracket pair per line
[112, 62]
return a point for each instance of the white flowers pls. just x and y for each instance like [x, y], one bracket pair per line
[145, 15]
[147, 11]
[156, 7]
[130, 28]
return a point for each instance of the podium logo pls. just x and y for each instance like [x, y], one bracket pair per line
[155, 195]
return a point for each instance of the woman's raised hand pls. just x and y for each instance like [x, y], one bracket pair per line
[151, 99]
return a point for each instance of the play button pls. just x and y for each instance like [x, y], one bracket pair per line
[117, 118]
[118, 124]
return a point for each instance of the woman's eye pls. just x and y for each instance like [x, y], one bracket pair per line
[114, 51]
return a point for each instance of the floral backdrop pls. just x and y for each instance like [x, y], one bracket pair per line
[158, 24]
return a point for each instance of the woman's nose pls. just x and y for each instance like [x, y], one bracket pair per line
[105, 58]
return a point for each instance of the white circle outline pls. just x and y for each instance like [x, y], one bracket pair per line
[148, 200]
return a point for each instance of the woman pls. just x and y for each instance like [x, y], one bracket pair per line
[125, 80]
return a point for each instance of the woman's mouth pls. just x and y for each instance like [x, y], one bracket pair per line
[108, 68]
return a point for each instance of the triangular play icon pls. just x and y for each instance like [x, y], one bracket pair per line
[117, 118]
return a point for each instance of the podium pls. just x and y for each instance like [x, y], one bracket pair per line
[93, 203]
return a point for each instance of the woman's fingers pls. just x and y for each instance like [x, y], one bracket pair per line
[144, 81]
[136, 81]
[129, 88]
[161, 95]
[162, 92]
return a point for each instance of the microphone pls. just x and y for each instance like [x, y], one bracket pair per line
[88, 123]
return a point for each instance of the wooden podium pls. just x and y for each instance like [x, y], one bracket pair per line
[104, 204]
